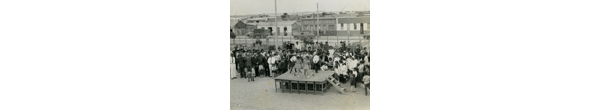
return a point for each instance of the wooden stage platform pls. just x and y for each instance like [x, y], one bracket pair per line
[314, 84]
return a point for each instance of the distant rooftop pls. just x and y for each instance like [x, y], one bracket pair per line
[280, 23]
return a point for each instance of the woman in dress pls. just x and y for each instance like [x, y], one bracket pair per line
[305, 66]
[298, 65]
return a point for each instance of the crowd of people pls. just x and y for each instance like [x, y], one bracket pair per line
[349, 64]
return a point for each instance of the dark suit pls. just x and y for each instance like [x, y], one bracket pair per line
[249, 65]
[265, 64]
[242, 66]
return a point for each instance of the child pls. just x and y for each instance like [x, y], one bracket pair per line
[298, 66]
[305, 66]
[261, 70]
[250, 74]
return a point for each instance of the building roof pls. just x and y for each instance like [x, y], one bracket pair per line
[279, 23]
[257, 19]
[355, 20]
[241, 24]
[232, 23]
[316, 18]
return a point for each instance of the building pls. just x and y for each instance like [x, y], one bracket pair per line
[283, 27]
[232, 23]
[240, 28]
[325, 25]
[353, 26]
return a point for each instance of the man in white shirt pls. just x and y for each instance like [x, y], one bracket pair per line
[316, 62]
[272, 67]
[292, 63]
[366, 59]
[349, 64]
[298, 46]
[343, 69]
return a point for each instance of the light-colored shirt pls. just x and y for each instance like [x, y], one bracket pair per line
[293, 58]
[331, 51]
[351, 64]
[366, 59]
[366, 79]
[315, 59]
[343, 69]
[360, 68]
[271, 61]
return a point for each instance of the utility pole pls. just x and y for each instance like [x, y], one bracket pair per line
[276, 29]
[318, 26]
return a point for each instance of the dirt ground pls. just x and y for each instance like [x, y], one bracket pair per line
[261, 95]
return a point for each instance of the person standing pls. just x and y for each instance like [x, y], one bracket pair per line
[366, 80]
[242, 65]
[232, 70]
[366, 58]
[336, 60]
[271, 63]
[256, 63]
[305, 66]
[237, 60]
[282, 64]
[298, 46]
[297, 66]
[361, 71]
[265, 64]
[293, 68]
[249, 67]
[353, 80]
[316, 63]
[343, 69]
[349, 65]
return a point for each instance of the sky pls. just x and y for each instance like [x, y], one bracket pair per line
[242, 7]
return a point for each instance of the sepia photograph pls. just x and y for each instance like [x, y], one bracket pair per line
[299, 55]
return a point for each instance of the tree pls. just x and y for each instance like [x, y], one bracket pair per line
[323, 14]
[285, 15]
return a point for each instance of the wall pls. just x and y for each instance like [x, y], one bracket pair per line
[350, 26]
[352, 33]
[327, 26]
[348, 29]
[289, 29]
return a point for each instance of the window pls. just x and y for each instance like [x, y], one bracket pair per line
[354, 26]
[278, 30]
[361, 28]
[342, 26]
[285, 31]
[271, 30]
